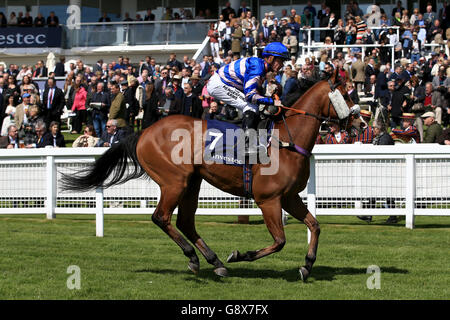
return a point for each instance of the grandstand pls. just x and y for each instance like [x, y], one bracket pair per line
[81, 35]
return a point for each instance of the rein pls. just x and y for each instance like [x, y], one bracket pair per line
[291, 145]
[320, 118]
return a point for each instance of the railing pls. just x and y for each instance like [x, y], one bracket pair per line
[308, 31]
[362, 46]
[311, 44]
[406, 180]
[164, 32]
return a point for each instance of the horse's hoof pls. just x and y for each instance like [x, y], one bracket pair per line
[233, 257]
[195, 268]
[221, 272]
[304, 273]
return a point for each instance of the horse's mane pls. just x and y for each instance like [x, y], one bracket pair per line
[303, 87]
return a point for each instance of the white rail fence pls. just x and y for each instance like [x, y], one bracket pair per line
[404, 180]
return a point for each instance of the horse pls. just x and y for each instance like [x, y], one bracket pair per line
[150, 154]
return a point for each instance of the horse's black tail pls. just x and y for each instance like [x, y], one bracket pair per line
[114, 163]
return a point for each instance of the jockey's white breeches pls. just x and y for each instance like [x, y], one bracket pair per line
[228, 94]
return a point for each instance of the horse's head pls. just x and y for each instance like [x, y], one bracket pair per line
[340, 107]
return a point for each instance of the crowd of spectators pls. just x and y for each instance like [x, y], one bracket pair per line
[108, 100]
[398, 95]
[26, 20]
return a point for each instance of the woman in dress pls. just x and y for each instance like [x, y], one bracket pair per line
[10, 112]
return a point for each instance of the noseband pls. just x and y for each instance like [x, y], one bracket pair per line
[291, 145]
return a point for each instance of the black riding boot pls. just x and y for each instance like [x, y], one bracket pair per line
[250, 121]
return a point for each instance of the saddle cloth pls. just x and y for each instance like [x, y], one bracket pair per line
[225, 143]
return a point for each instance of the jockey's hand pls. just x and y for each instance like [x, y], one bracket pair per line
[277, 103]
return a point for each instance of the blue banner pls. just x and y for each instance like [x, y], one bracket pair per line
[17, 37]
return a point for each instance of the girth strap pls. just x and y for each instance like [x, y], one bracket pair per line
[248, 180]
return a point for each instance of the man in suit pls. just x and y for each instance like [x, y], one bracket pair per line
[226, 36]
[97, 66]
[52, 20]
[396, 74]
[291, 42]
[41, 70]
[243, 8]
[409, 71]
[101, 102]
[265, 30]
[118, 109]
[358, 72]
[53, 102]
[112, 135]
[59, 68]
[395, 101]
[11, 141]
[227, 11]
[104, 18]
[247, 44]
[382, 80]
[162, 83]
[173, 62]
[275, 27]
[170, 104]
[369, 89]
[369, 71]
[191, 104]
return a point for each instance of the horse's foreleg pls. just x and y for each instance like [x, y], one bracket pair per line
[162, 218]
[296, 208]
[186, 224]
[272, 217]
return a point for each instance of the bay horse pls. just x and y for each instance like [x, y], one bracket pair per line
[150, 153]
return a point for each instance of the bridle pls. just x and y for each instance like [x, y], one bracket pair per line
[333, 87]
[291, 145]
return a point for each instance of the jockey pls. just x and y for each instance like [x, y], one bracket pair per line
[236, 84]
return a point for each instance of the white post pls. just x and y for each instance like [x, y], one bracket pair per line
[99, 212]
[410, 190]
[311, 190]
[309, 41]
[284, 217]
[51, 188]
[392, 56]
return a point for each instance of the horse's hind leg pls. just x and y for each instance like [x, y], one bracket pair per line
[170, 196]
[295, 207]
[186, 224]
[271, 210]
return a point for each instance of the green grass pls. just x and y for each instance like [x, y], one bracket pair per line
[136, 260]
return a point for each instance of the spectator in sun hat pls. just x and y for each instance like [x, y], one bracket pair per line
[21, 117]
[336, 135]
[434, 129]
[365, 131]
[409, 133]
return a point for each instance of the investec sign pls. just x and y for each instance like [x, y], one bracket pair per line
[30, 37]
